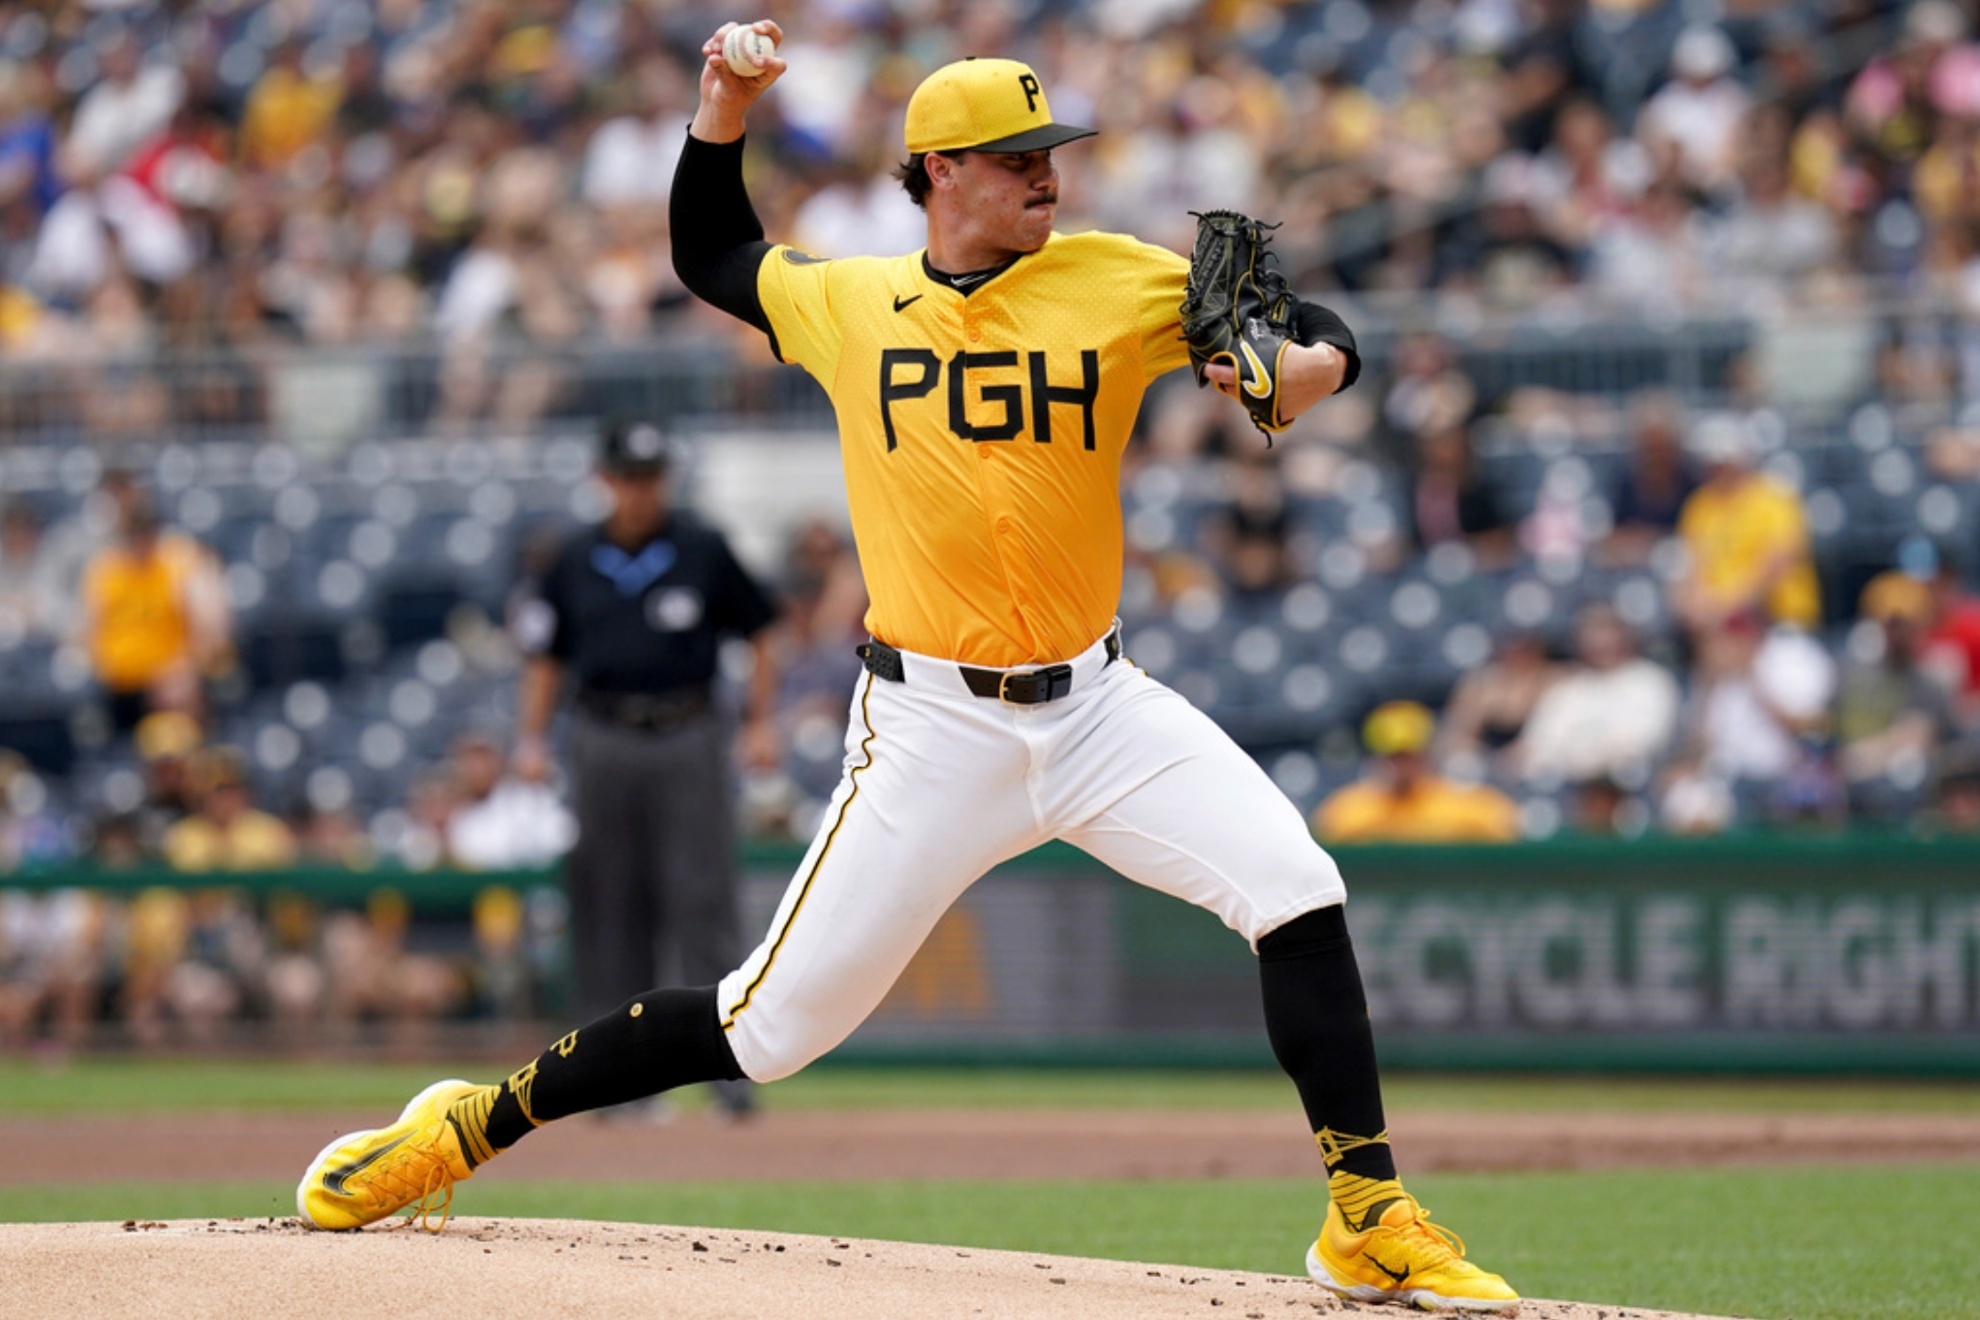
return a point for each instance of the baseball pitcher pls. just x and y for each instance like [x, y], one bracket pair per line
[985, 388]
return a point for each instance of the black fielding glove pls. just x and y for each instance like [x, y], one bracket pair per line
[1237, 309]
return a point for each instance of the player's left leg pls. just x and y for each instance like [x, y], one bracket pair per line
[925, 807]
[1151, 786]
[652, 1043]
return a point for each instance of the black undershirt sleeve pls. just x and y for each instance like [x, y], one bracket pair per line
[1321, 325]
[718, 241]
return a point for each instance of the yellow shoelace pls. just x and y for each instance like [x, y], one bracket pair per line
[440, 1180]
[1442, 1244]
[413, 1176]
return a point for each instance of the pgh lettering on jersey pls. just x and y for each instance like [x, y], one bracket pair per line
[983, 463]
[1043, 394]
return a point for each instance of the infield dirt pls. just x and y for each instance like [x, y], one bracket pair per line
[228, 1268]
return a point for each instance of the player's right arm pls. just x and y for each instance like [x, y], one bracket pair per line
[719, 250]
[717, 239]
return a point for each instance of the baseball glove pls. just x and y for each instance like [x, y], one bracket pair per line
[1237, 309]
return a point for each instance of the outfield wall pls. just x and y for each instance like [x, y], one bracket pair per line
[1777, 954]
[1804, 955]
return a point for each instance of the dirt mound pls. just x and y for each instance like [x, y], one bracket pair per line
[227, 1268]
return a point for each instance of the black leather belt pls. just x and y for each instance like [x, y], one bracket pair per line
[1020, 687]
[656, 712]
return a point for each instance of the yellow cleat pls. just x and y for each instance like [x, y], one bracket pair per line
[361, 1178]
[1403, 1257]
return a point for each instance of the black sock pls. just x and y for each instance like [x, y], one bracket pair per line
[651, 1043]
[1317, 1018]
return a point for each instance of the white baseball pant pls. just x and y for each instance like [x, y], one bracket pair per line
[942, 785]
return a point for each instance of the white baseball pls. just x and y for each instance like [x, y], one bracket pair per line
[746, 51]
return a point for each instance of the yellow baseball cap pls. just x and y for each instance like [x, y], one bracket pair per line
[1895, 594]
[983, 105]
[1397, 727]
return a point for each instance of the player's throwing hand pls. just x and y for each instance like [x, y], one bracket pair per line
[725, 91]
[721, 72]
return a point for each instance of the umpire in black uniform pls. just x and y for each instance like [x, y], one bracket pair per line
[633, 612]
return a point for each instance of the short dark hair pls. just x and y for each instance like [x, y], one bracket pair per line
[913, 174]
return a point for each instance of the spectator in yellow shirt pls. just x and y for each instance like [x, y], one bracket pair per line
[227, 833]
[1404, 800]
[1747, 536]
[287, 109]
[155, 617]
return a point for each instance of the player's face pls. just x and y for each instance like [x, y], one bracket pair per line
[1014, 197]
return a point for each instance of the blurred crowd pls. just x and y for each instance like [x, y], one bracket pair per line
[146, 608]
[176, 962]
[169, 966]
[1667, 646]
[222, 177]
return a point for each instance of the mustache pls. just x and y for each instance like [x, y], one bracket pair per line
[1045, 199]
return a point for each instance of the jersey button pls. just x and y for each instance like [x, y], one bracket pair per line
[975, 335]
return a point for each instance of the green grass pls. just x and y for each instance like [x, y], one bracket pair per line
[105, 1086]
[1763, 1242]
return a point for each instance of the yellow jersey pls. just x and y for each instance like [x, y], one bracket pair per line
[1434, 811]
[285, 112]
[1734, 534]
[982, 434]
[141, 619]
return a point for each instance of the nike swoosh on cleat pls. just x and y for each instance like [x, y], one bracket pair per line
[1397, 1275]
[333, 1179]
[902, 304]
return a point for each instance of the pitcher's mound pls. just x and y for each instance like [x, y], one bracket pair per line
[230, 1268]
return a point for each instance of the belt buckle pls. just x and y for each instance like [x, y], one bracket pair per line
[1050, 678]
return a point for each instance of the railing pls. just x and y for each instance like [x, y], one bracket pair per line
[327, 397]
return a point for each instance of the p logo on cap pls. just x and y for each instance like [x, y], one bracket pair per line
[984, 105]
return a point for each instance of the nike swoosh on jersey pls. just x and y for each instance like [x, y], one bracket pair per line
[333, 1179]
[902, 304]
